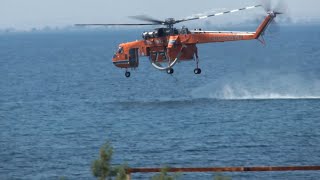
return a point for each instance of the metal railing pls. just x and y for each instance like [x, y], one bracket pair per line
[223, 169]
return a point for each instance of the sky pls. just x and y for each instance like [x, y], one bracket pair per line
[26, 14]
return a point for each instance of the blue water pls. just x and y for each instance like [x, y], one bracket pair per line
[61, 99]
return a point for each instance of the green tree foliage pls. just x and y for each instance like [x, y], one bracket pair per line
[102, 169]
[121, 172]
[164, 175]
[221, 177]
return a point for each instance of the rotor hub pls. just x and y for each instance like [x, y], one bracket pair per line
[274, 13]
[170, 21]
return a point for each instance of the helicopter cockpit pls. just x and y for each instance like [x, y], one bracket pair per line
[120, 50]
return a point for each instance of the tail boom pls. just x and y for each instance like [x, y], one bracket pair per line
[199, 37]
[264, 25]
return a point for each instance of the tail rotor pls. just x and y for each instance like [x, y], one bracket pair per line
[275, 8]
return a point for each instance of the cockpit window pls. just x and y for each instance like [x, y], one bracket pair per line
[120, 50]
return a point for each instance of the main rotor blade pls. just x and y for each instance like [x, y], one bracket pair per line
[147, 18]
[217, 14]
[115, 24]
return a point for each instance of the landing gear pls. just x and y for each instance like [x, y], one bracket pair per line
[197, 71]
[127, 74]
[170, 71]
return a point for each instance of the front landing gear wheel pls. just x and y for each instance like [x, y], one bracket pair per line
[127, 74]
[197, 71]
[170, 71]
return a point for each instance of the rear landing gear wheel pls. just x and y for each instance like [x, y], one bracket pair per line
[127, 74]
[170, 71]
[197, 71]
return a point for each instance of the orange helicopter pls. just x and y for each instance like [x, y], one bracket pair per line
[167, 45]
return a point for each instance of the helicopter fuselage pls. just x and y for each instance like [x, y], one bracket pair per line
[168, 44]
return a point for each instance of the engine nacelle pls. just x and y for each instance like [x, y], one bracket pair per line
[148, 35]
[159, 32]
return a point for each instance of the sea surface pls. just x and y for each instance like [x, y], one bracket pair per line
[61, 99]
